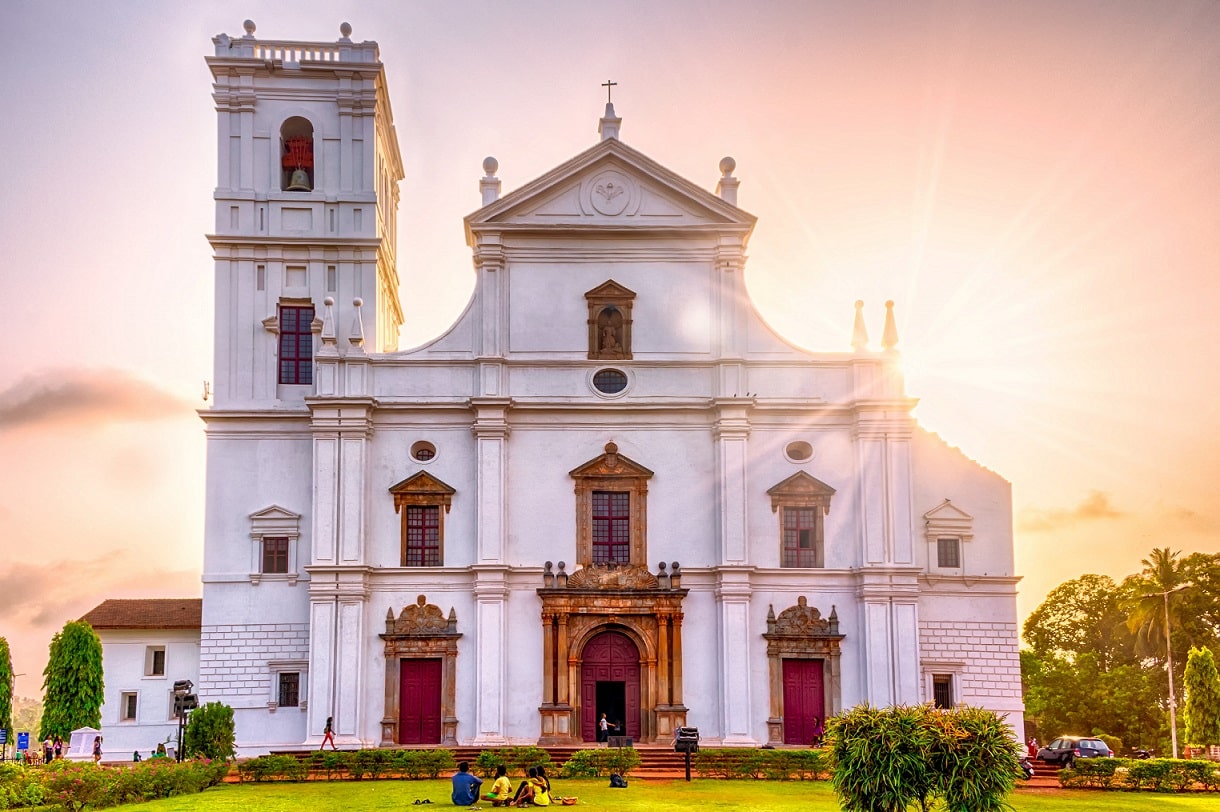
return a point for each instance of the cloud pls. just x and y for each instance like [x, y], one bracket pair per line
[1094, 507]
[85, 397]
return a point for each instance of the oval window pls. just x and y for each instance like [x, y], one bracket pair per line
[610, 381]
[798, 451]
[423, 451]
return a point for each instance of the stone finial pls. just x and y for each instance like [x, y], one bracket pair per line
[859, 333]
[451, 623]
[356, 339]
[548, 577]
[250, 28]
[389, 620]
[726, 187]
[770, 618]
[328, 348]
[675, 575]
[834, 620]
[561, 578]
[662, 576]
[489, 184]
[889, 337]
[609, 124]
[345, 32]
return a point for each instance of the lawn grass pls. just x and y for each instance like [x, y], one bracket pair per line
[642, 795]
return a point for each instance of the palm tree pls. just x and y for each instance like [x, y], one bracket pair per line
[1159, 589]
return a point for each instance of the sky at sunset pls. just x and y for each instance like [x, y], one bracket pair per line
[1036, 185]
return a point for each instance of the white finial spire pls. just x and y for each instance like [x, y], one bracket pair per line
[609, 125]
[489, 185]
[859, 333]
[889, 337]
[356, 339]
[328, 348]
[726, 187]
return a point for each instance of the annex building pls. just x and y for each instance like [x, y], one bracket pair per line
[609, 487]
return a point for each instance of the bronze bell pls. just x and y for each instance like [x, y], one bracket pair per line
[299, 181]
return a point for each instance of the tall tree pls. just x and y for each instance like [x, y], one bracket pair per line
[1202, 698]
[72, 681]
[6, 687]
[1156, 590]
[1081, 616]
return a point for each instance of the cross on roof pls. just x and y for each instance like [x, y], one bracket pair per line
[608, 85]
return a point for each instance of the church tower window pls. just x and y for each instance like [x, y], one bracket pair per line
[802, 503]
[296, 344]
[422, 500]
[296, 162]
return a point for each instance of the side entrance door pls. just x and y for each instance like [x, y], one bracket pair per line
[804, 700]
[419, 701]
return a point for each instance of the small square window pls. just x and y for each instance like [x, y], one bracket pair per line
[154, 661]
[942, 690]
[948, 553]
[290, 689]
[275, 555]
[127, 706]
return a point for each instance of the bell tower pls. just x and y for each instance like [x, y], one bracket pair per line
[306, 210]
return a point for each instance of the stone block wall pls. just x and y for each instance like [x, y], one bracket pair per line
[991, 667]
[233, 660]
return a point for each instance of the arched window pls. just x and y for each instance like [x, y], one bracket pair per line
[296, 151]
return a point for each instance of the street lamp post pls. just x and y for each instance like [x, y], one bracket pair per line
[1173, 704]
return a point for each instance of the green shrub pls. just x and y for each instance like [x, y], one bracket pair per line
[518, 760]
[74, 785]
[20, 786]
[331, 762]
[424, 763]
[273, 768]
[600, 762]
[210, 732]
[1144, 773]
[887, 760]
[1093, 772]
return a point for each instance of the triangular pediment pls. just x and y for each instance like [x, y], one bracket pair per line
[275, 513]
[422, 483]
[609, 291]
[946, 511]
[610, 185]
[801, 490]
[611, 464]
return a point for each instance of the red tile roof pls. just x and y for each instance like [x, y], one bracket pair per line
[149, 613]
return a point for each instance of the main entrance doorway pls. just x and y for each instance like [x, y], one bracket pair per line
[804, 700]
[419, 703]
[610, 684]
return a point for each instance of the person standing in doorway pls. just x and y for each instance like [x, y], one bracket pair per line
[604, 726]
[328, 734]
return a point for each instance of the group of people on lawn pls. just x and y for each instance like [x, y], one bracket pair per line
[535, 790]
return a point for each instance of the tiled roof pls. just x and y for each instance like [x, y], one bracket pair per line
[149, 613]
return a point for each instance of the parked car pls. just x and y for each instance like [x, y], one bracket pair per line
[1066, 749]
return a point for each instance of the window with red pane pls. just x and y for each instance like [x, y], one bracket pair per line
[802, 537]
[275, 555]
[611, 527]
[296, 344]
[423, 545]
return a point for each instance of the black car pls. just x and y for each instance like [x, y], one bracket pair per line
[1066, 749]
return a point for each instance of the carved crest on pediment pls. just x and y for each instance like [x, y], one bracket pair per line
[611, 464]
[421, 618]
[802, 620]
[606, 576]
[801, 490]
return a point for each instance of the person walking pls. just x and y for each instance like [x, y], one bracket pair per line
[328, 734]
[97, 749]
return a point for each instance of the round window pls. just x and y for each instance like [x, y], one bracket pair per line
[610, 381]
[798, 451]
[423, 451]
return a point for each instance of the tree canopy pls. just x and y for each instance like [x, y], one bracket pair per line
[72, 681]
[1202, 685]
[6, 687]
[1096, 662]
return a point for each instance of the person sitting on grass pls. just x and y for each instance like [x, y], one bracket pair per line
[465, 786]
[502, 790]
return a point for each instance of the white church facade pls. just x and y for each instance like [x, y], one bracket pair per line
[609, 487]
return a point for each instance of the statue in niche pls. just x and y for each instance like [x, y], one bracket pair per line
[610, 333]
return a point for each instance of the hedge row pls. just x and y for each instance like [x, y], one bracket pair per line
[349, 764]
[75, 785]
[1157, 774]
[773, 765]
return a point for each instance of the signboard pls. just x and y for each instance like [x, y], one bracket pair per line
[3, 736]
[23, 741]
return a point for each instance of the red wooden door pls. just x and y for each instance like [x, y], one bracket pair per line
[419, 701]
[611, 659]
[803, 700]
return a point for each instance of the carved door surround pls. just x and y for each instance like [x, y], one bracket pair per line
[800, 632]
[629, 600]
[420, 630]
[610, 321]
[612, 472]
